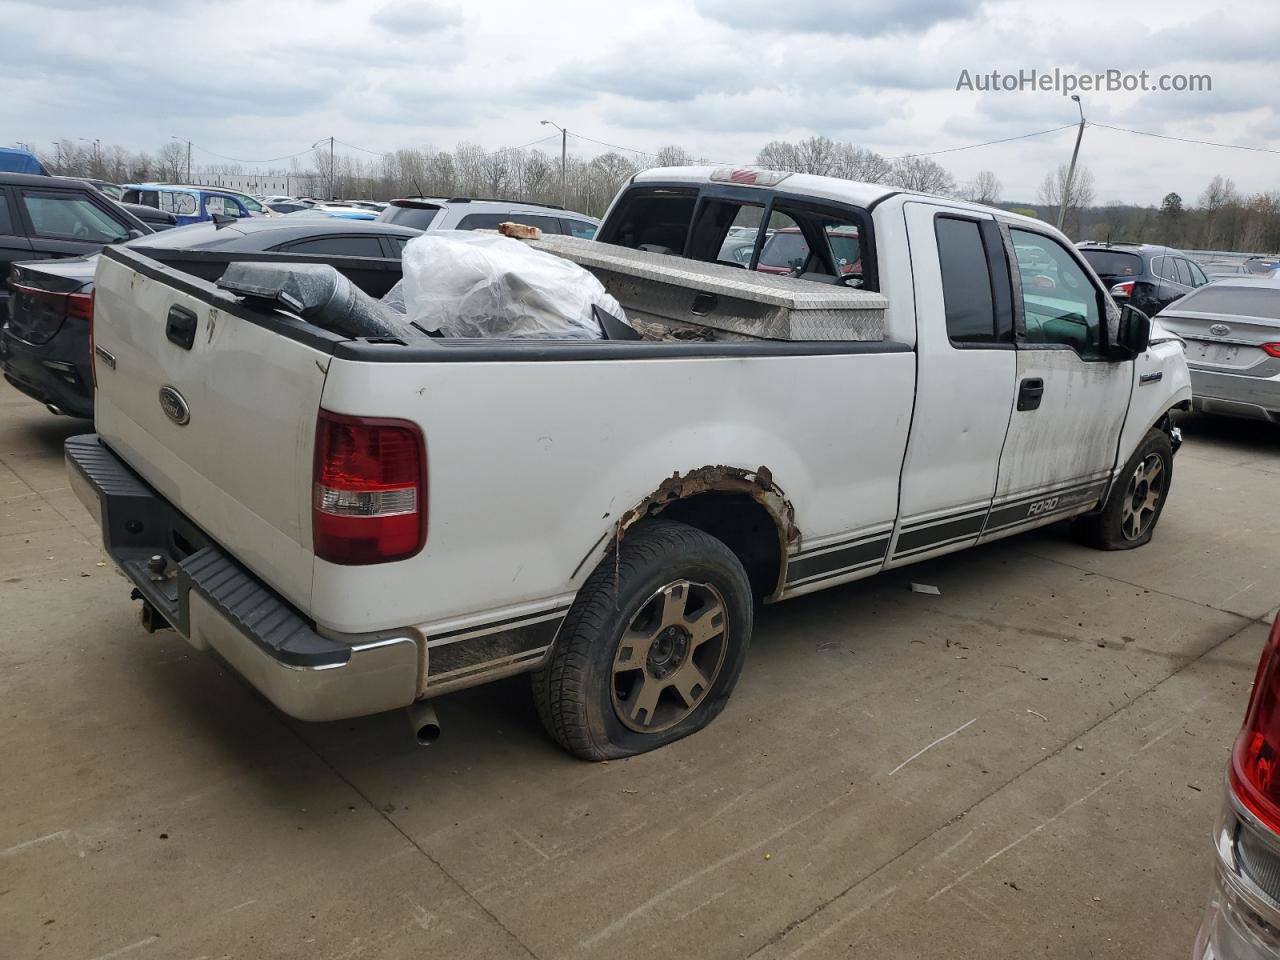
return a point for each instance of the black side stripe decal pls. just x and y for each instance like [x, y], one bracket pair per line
[927, 536]
[868, 551]
[1012, 514]
[498, 624]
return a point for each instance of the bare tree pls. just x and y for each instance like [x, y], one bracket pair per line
[817, 155]
[672, 156]
[921, 174]
[1056, 192]
[984, 188]
[171, 161]
[535, 175]
[779, 155]
[859, 163]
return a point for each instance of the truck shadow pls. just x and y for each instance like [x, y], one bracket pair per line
[1244, 436]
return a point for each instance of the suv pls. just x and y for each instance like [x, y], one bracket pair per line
[462, 213]
[1142, 275]
[46, 217]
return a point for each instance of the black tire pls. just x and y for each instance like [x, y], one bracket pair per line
[1112, 528]
[577, 691]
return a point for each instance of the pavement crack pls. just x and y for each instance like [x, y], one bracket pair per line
[870, 874]
[412, 842]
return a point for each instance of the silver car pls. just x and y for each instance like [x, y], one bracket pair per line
[1232, 331]
[463, 213]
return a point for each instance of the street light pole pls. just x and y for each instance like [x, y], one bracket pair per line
[316, 144]
[564, 158]
[1071, 170]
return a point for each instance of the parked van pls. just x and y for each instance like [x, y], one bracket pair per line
[187, 204]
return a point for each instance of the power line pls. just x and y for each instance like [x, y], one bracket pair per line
[1163, 136]
[287, 156]
[985, 143]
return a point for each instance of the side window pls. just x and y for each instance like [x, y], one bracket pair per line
[397, 245]
[69, 216]
[6, 221]
[338, 246]
[1167, 269]
[966, 281]
[1059, 303]
[1184, 271]
[1198, 279]
[490, 221]
[582, 229]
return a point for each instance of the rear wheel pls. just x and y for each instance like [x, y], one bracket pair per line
[651, 648]
[1136, 501]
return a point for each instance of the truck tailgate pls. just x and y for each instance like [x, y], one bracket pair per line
[223, 428]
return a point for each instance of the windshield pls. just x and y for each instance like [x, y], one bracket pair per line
[785, 250]
[1109, 263]
[193, 236]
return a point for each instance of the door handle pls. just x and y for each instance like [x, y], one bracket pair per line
[1030, 391]
[180, 327]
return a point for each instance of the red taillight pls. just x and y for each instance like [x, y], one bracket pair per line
[369, 500]
[1124, 289]
[1272, 349]
[1255, 758]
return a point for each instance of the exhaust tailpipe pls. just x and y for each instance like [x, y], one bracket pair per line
[424, 722]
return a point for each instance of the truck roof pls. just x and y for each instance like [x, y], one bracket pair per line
[831, 188]
[809, 185]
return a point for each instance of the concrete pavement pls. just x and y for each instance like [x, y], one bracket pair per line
[1079, 706]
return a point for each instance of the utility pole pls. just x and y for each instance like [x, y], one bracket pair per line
[316, 144]
[564, 158]
[1071, 170]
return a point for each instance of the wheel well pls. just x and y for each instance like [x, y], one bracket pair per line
[743, 525]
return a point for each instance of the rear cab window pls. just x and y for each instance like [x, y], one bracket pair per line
[758, 229]
[975, 281]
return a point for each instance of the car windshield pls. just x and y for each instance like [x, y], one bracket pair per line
[1109, 263]
[785, 249]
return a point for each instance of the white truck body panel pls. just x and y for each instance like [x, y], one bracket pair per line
[878, 457]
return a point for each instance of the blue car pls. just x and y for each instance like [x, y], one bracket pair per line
[188, 204]
[13, 160]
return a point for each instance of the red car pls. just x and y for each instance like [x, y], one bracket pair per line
[1243, 918]
[787, 252]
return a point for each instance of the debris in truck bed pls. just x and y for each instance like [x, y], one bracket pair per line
[520, 231]
[477, 284]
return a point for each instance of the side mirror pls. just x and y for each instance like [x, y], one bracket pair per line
[1135, 331]
[135, 233]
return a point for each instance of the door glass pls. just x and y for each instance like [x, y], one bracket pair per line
[583, 229]
[68, 216]
[1198, 279]
[966, 281]
[6, 224]
[1060, 305]
[739, 241]
[1184, 271]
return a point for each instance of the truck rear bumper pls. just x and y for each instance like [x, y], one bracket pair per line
[217, 604]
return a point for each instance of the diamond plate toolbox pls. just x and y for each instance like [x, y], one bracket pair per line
[681, 293]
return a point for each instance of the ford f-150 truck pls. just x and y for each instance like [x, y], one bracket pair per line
[358, 524]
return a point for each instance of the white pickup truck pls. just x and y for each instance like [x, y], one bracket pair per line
[360, 524]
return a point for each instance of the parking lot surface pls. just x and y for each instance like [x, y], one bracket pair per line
[1027, 765]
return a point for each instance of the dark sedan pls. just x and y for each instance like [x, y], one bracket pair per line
[45, 345]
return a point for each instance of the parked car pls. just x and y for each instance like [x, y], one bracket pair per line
[1262, 266]
[1242, 921]
[287, 206]
[1216, 269]
[15, 160]
[112, 190]
[463, 213]
[55, 217]
[787, 252]
[152, 217]
[1232, 332]
[187, 204]
[46, 345]
[1144, 275]
[255, 206]
[263, 480]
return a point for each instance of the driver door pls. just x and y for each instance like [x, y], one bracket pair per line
[1070, 401]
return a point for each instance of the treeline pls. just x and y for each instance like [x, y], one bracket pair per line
[1221, 218]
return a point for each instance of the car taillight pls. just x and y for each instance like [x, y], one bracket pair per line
[370, 489]
[1255, 758]
[1272, 349]
[1124, 289]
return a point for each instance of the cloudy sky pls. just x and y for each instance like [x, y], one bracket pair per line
[257, 80]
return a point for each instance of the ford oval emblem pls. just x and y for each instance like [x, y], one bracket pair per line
[174, 406]
[1219, 329]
